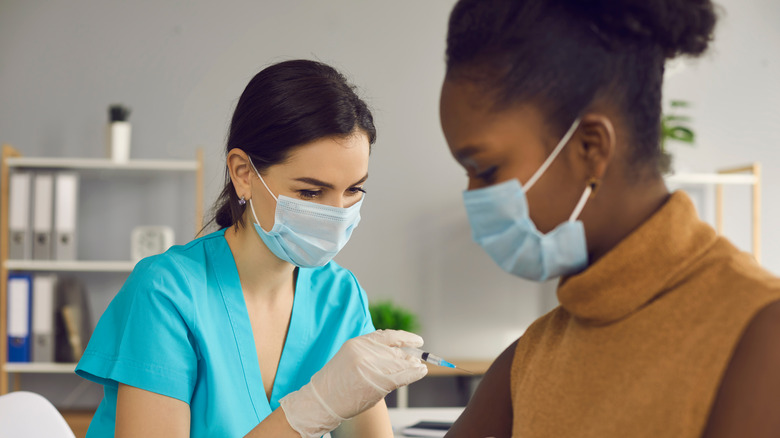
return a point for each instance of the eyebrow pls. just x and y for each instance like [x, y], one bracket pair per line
[316, 182]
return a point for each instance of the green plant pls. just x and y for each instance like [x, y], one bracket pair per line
[387, 315]
[674, 127]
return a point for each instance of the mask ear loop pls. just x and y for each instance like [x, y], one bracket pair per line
[251, 205]
[566, 137]
[262, 181]
[590, 190]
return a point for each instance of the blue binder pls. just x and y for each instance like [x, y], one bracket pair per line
[19, 317]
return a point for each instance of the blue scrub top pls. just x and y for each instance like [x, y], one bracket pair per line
[179, 327]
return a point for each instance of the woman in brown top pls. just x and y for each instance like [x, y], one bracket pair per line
[664, 329]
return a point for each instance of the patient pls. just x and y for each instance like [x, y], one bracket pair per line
[664, 328]
[252, 330]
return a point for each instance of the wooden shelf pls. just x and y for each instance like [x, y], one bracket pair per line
[101, 164]
[40, 368]
[69, 266]
[712, 178]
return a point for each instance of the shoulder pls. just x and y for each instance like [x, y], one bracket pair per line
[735, 271]
[174, 271]
[489, 412]
[547, 328]
[747, 400]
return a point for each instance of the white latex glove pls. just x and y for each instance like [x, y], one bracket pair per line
[362, 372]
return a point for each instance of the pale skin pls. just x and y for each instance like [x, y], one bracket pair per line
[495, 145]
[328, 171]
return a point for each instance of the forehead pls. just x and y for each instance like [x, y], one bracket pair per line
[330, 156]
[469, 117]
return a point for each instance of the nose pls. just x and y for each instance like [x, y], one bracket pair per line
[345, 201]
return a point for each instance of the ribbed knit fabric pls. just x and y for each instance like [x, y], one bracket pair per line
[642, 337]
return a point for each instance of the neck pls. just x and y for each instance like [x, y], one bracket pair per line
[263, 275]
[627, 210]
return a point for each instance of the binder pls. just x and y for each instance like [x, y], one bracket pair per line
[66, 188]
[42, 215]
[20, 237]
[19, 297]
[72, 320]
[43, 318]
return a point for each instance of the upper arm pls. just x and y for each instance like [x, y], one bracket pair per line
[143, 338]
[141, 413]
[373, 422]
[489, 412]
[748, 400]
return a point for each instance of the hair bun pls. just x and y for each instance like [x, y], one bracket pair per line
[679, 27]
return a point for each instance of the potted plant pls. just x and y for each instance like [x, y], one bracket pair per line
[387, 315]
[674, 127]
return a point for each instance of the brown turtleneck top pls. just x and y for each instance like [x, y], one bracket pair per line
[641, 339]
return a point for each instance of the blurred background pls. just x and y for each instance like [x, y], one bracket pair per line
[181, 66]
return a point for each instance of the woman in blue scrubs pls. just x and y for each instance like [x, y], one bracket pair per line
[252, 330]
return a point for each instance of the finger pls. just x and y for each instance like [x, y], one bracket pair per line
[410, 374]
[396, 338]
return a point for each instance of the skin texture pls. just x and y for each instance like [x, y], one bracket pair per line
[340, 166]
[495, 145]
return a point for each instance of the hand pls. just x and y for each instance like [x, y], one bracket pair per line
[362, 372]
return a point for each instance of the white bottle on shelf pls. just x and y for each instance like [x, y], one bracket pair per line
[119, 141]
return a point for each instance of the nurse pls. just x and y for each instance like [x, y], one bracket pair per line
[664, 328]
[252, 330]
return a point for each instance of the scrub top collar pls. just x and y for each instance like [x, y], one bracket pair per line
[232, 294]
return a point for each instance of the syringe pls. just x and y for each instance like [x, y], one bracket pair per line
[428, 357]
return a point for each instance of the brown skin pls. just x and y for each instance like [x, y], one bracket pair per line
[341, 165]
[496, 145]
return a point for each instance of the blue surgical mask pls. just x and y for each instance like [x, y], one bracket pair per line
[501, 224]
[305, 233]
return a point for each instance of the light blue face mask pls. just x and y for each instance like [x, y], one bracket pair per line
[501, 224]
[305, 233]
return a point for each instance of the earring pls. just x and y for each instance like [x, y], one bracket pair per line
[242, 201]
[594, 184]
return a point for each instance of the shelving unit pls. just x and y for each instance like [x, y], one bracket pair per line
[12, 159]
[40, 368]
[742, 175]
[69, 266]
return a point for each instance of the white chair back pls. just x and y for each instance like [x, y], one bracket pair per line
[28, 415]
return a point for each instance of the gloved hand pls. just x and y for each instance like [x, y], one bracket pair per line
[362, 372]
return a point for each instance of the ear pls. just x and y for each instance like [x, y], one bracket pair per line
[241, 172]
[597, 143]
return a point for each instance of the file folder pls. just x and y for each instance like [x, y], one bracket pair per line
[42, 215]
[73, 323]
[66, 188]
[43, 318]
[19, 297]
[20, 234]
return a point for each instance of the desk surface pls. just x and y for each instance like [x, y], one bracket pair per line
[401, 418]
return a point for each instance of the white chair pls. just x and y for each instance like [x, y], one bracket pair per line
[26, 414]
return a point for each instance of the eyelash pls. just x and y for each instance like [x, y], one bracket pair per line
[356, 190]
[487, 175]
[311, 194]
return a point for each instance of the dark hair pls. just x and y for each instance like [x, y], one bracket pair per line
[285, 106]
[563, 54]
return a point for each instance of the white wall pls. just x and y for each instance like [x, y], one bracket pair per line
[181, 66]
[736, 96]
